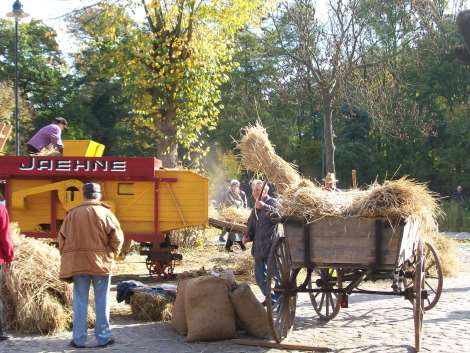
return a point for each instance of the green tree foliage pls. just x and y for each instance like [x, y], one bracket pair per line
[42, 68]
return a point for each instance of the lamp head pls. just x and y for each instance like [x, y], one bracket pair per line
[17, 12]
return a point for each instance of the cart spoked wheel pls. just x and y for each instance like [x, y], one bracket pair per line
[281, 287]
[326, 301]
[418, 303]
[434, 277]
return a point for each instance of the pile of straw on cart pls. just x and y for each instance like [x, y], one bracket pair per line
[35, 299]
[300, 197]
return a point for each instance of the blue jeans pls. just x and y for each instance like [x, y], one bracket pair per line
[261, 268]
[261, 272]
[81, 288]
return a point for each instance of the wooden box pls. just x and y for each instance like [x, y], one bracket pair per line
[350, 242]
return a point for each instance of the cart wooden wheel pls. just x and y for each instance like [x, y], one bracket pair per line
[281, 289]
[326, 302]
[418, 303]
[434, 278]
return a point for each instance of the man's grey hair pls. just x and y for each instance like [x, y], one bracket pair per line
[256, 182]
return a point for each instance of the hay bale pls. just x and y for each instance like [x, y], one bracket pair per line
[209, 312]
[37, 300]
[147, 306]
[259, 156]
[250, 312]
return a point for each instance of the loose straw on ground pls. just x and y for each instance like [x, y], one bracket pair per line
[35, 299]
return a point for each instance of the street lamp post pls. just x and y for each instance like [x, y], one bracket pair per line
[18, 14]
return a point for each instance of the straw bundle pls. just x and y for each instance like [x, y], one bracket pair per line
[309, 201]
[399, 199]
[148, 306]
[258, 155]
[49, 151]
[234, 214]
[37, 301]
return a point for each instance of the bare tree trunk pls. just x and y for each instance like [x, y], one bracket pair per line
[169, 154]
[328, 136]
[167, 147]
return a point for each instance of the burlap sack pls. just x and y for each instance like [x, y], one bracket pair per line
[250, 311]
[178, 315]
[209, 312]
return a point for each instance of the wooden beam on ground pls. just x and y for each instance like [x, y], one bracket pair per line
[283, 346]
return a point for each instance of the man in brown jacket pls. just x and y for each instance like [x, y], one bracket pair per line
[89, 240]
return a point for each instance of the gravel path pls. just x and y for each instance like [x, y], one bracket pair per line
[372, 323]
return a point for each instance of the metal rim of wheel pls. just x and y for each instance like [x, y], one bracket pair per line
[327, 303]
[434, 278]
[280, 275]
[418, 303]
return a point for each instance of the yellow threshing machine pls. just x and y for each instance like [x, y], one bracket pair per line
[148, 200]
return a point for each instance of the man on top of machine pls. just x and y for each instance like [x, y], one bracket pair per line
[48, 135]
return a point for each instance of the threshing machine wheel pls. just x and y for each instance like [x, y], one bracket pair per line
[163, 271]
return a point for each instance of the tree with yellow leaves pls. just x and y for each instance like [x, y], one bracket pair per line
[171, 65]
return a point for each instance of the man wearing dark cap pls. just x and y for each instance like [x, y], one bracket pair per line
[48, 135]
[89, 240]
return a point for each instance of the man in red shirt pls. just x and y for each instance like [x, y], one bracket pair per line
[6, 254]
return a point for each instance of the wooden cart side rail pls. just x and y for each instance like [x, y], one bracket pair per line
[350, 242]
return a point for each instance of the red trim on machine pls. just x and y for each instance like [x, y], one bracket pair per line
[81, 167]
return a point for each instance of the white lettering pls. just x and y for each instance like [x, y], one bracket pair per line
[31, 166]
[103, 165]
[85, 166]
[45, 165]
[63, 166]
[118, 166]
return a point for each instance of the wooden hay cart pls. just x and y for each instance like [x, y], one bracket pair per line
[337, 255]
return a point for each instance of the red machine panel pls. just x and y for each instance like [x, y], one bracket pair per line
[80, 167]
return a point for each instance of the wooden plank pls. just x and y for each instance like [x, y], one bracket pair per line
[410, 238]
[227, 225]
[281, 346]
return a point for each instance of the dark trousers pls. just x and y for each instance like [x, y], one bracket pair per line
[229, 243]
[31, 149]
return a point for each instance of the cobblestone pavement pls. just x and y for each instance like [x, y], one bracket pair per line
[372, 323]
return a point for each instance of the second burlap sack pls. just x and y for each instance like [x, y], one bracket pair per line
[178, 317]
[250, 311]
[209, 312]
